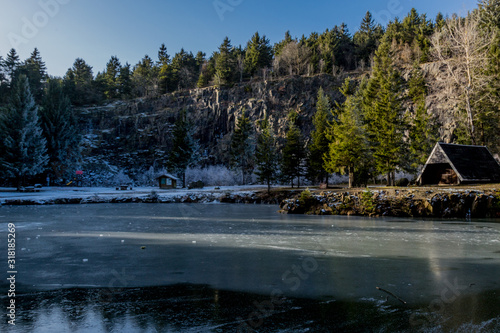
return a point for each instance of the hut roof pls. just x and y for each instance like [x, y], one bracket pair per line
[167, 176]
[471, 163]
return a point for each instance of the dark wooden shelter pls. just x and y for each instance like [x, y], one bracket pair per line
[451, 164]
[167, 182]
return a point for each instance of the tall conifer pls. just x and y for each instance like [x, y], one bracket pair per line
[24, 152]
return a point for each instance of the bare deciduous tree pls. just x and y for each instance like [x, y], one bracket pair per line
[462, 48]
[295, 57]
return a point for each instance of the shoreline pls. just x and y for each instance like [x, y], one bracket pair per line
[224, 194]
[480, 201]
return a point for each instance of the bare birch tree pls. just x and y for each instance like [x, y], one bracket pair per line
[295, 57]
[462, 48]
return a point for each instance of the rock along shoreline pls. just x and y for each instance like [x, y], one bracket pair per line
[413, 202]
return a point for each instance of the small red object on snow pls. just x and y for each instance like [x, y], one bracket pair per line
[79, 172]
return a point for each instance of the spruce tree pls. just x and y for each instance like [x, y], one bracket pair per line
[489, 117]
[163, 57]
[224, 62]
[3, 84]
[367, 37]
[125, 81]
[383, 113]
[60, 130]
[11, 64]
[164, 69]
[440, 22]
[24, 152]
[111, 78]
[36, 71]
[258, 54]
[318, 145]
[183, 71]
[266, 155]
[78, 83]
[347, 139]
[242, 147]
[144, 77]
[293, 154]
[421, 137]
[278, 47]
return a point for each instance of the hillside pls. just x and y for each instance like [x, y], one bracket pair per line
[135, 135]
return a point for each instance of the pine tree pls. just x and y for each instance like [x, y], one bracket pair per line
[383, 113]
[293, 154]
[60, 130]
[242, 147]
[111, 78]
[319, 143]
[266, 155]
[184, 148]
[347, 139]
[23, 147]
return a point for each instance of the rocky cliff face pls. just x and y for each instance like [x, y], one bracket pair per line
[136, 134]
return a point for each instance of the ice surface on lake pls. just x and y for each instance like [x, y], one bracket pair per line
[252, 248]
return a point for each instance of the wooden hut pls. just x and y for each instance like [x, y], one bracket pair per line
[167, 182]
[451, 164]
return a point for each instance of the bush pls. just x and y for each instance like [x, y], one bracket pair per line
[198, 184]
[402, 182]
[215, 175]
[147, 178]
[367, 202]
[121, 179]
[153, 196]
[306, 198]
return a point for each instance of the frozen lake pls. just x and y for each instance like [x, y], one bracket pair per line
[218, 268]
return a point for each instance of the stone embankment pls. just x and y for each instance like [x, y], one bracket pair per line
[438, 203]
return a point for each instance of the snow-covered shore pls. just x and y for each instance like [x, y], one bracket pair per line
[74, 195]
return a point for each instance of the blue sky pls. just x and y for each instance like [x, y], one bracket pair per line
[97, 29]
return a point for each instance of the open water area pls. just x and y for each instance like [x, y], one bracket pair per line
[245, 268]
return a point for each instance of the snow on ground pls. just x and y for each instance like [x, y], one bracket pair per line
[53, 193]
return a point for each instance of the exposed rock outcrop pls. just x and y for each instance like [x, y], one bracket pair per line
[401, 203]
[136, 134]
